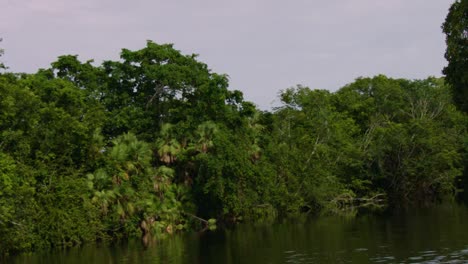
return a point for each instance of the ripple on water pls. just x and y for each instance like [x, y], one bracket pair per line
[431, 256]
[296, 257]
[416, 258]
[422, 257]
[361, 249]
[383, 259]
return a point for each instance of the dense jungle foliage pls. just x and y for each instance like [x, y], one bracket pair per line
[156, 143]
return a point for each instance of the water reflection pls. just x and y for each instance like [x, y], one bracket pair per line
[437, 235]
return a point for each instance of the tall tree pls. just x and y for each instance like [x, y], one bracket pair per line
[456, 30]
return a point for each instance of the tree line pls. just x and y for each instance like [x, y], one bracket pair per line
[155, 143]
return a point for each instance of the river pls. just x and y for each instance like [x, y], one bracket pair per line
[432, 235]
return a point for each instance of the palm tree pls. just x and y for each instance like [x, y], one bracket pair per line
[205, 133]
[167, 146]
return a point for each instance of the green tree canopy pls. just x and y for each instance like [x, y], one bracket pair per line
[456, 72]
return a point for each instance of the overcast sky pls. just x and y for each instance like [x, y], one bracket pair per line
[263, 45]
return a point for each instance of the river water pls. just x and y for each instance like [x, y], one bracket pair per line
[435, 235]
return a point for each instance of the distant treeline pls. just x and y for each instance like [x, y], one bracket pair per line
[155, 143]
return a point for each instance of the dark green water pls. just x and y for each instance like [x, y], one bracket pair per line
[436, 235]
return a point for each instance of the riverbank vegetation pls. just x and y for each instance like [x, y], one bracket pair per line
[156, 143]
